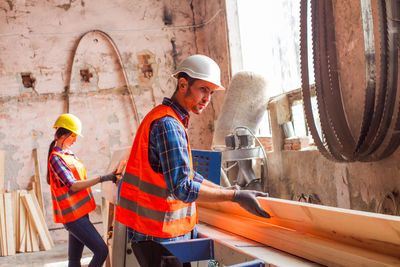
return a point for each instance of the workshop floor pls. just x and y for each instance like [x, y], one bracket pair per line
[56, 257]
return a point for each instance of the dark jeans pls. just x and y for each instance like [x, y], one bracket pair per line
[82, 233]
[153, 254]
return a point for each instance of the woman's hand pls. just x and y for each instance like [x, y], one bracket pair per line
[110, 177]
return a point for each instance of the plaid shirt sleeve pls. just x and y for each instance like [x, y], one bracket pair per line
[197, 177]
[61, 170]
[169, 141]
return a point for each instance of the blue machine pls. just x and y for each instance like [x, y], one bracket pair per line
[200, 249]
[208, 164]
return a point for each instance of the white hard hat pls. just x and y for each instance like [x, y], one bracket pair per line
[201, 67]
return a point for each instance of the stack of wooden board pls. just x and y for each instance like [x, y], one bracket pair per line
[23, 228]
[22, 225]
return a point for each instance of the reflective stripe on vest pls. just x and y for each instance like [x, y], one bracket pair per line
[69, 206]
[73, 208]
[145, 203]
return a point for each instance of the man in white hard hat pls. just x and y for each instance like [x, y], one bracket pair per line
[160, 187]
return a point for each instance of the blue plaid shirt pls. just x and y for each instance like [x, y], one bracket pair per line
[60, 170]
[168, 154]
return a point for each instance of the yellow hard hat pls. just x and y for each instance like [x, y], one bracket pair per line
[69, 122]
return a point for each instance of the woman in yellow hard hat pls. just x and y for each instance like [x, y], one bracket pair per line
[72, 197]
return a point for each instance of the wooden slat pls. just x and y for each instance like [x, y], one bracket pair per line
[318, 249]
[118, 162]
[38, 183]
[28, 238]
[38, 221]
[9, 219]
[368, 230]
[2, 159]
[3, 227]
[15, 196]
[33, 234]
[22, 232]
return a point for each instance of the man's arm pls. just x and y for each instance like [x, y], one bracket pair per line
[208, 183]
[213, 194]
[168, 144]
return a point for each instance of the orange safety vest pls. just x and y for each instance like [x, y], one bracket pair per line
[69, 206]
[145, 203]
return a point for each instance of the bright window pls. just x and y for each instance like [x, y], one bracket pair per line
[270, 44]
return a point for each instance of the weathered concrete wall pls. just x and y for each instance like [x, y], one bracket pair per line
[40, 39]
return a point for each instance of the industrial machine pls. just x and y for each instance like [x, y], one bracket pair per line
[240, 152]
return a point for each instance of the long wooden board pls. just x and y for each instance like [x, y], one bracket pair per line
[22, 232]
[34, 242]
[118, 161]
[317, 249]
[15, 201]
[38, 221]
[3, 235]
[368, 230]
[9, 220]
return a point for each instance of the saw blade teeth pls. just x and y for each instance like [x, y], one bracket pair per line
[386, 140]
[319, 140]
[392, 140]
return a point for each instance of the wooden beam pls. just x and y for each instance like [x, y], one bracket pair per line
[33, 234]
[372, 231]
[22, 231]
[317, 249]
[38, 183]
[28, 237]
[15, 201]
[9, 219]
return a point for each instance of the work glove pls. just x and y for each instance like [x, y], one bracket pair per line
[110, 177]
[247, 200]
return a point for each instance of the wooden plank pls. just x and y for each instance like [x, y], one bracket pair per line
[318, 249]
[9, 219]
[28, 238]
[368, 230]
[232, 249]
[38, 221]
[2, 160]
[38, 183]
[15, 197]
[3, 227]
[118, 161]
[22, 231]
[33, 234]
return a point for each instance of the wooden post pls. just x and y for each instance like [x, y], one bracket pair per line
[38, 184]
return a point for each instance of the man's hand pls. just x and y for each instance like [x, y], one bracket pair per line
[109, 177]
[247, 199]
